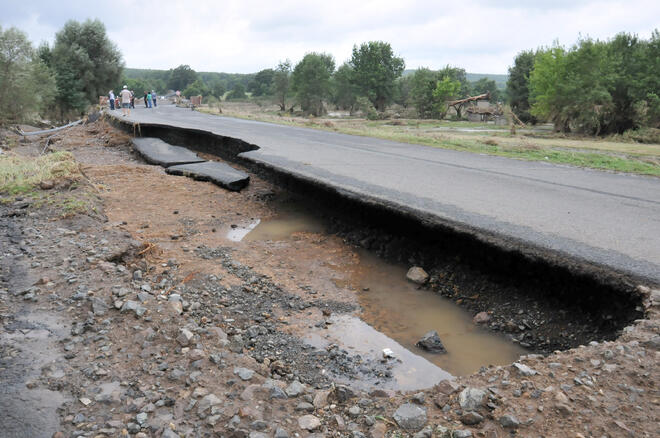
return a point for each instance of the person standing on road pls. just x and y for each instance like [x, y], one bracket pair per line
[154, 98]
[125, 96]
[132, 99]
[111, 98]
[149, 99]
[145, 100]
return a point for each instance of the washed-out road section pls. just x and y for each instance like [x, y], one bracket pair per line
[579, 216]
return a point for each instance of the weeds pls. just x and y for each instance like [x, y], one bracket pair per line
[21, 175]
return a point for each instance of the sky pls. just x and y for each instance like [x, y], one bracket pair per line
[246, 36]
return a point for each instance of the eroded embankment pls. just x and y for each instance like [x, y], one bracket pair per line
[542, 299]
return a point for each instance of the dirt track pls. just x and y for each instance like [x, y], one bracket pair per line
[158, 324]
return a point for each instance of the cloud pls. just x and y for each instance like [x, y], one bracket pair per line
[247, 36]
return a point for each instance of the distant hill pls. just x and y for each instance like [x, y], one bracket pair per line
[500, 80]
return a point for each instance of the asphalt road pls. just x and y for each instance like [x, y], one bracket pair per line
[608, 219]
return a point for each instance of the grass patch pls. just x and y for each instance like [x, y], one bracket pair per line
[22, 175]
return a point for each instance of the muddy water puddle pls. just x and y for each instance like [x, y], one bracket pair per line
[395, 315]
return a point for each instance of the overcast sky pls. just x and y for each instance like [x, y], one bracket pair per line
[246, 36]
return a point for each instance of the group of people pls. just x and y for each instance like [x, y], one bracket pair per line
[126, 100]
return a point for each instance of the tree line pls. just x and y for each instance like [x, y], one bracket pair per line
[593, 87]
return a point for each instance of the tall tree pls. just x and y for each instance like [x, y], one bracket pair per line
[375, 70]
[262, 82]
[28, 86]
[181, 77]
[311, 82]
[424, 82]
[281, 83]
[445, 89]
[517, 86]
[344, 91]
[86, 64]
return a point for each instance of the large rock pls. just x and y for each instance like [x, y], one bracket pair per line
[156, 151]
[185, 337]
[471, 399]
[309, 422]
[417, 275]
[431, 342]
[220, 174]
[410, 417]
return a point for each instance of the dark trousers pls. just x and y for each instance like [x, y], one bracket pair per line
[145, 102]
[112, 104]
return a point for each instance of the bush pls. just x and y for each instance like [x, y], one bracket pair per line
[641, 135]
[364, 105]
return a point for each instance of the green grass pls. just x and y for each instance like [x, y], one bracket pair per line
[22, 175]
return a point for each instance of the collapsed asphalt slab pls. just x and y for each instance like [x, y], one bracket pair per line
[156, 151]
[218, 173]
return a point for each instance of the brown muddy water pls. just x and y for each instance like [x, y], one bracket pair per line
[395, 314]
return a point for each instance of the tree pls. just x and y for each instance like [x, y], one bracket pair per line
[457, 74]
[344, 92]
[375, 70]
[517, 86]
[311, 82]
[181, 77]
[281, 83]
[86, 64]
[445, 90]
[28, 86]
[423, 83]
[238, 92]
[485, 85]
[403, 94]
[218, 88]
[197, 88]
[261, 85]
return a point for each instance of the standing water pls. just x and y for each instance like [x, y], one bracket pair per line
[395, 315]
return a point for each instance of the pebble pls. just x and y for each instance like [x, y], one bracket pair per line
[417, 275]
[184, 338]
[244, 373]
[509, 421]
[471, 418]
[524, 370]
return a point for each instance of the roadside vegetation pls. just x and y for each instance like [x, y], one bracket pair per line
[588, 105]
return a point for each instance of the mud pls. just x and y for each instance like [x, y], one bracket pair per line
[248, 310]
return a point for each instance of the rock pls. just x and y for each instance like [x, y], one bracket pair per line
[378, 430]
[471, 418]
[305, 407]
[410, 417]
[321, 399]
[169, 433]
[354, 411]
[207, 402]
[419, 398]
[343, 393]
[295, 389]
[184, 338]
[309, 422]
[427, 432]
[509, 421]
[141, 418]
[653, 343]
[431, 342]
[196, 354]
[447, 387]
[244, 373]
[417, 275]
[461, 434]
[257, 435]
[99, 307]
[281, 433]
[46, 184]
[481, 318]
[524, 370]
[471, 399]
[133, 306]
